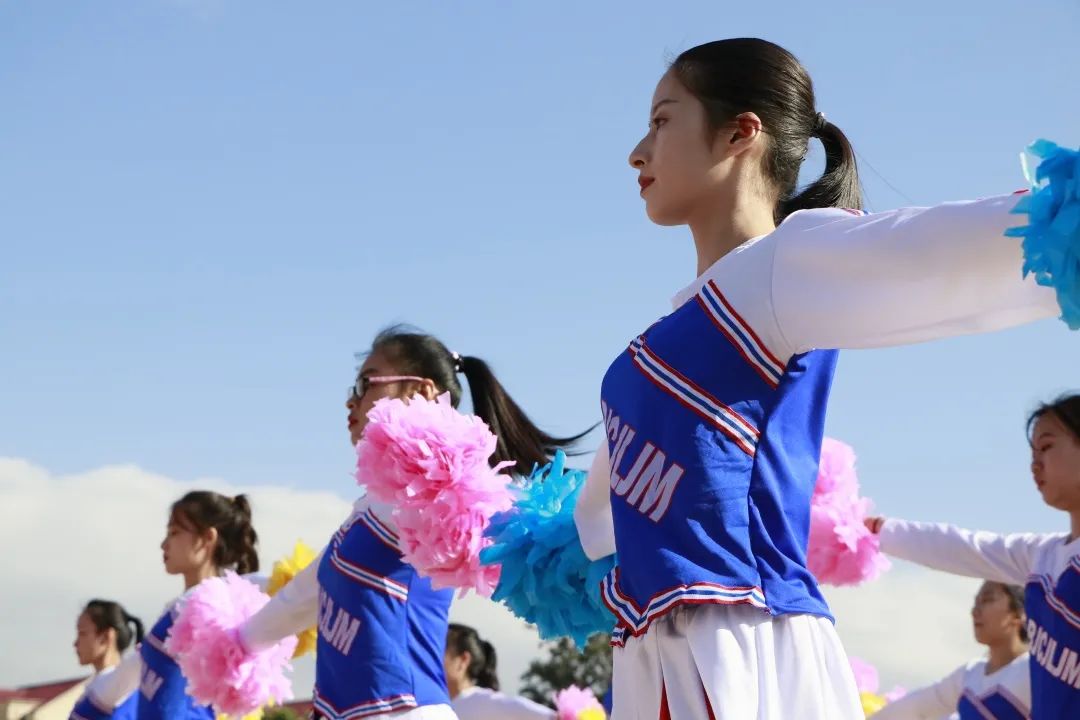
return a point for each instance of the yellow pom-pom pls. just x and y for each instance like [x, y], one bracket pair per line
[283, 573]
[255, 715]
[592, 714]
[871, 703]
[288, 568]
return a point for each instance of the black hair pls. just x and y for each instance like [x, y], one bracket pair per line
[461, 639]
[105, 614]
[201, 510]
[519, 439]
[1067, 411]
[1015, 594]
[740, 75]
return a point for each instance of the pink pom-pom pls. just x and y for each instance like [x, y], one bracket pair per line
[205, 641]
[574, 703]
[431, 463]
[866, 675]
[841, 550]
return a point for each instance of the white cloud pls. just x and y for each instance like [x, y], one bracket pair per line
[913, 624]
[68, 538]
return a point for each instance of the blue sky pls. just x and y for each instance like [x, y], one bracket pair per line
[206, 208]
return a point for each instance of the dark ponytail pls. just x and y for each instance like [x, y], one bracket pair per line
[106, 614]
[201, 510]
[519, 439]
[461, 639]
[838, 186]
[740, 75]
[1067, 411]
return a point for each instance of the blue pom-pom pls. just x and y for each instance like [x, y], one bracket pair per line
[546, 577]
[1052, 236]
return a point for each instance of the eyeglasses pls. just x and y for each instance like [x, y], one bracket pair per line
[360, 388]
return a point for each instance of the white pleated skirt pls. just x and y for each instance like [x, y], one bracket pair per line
[721, 662]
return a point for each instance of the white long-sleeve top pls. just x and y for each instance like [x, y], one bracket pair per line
[1007, 559]
[295, 607]
[1045, 564]
[1009, 684]
[112, 686]
[836, 279]
[478, 703]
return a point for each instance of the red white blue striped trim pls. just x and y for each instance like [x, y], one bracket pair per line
[741, 335]
[157, 643]
[368, 708]
[694, 397]
[380, 530]
[364, 576]
[979, 701]
[1055, 603]
[635, 621]
[342, 531]
[99, 705]
[977, 705]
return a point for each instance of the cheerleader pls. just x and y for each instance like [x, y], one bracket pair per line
[103, 632]
[474, 685]
[381, 627]
[995, 688]
[1049, 564]
[207, 534]
[715, 413]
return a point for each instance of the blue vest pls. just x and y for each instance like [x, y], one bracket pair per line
[86, 709]
[1053, 611]
[382, 628]
[163, 688]
[714, 447]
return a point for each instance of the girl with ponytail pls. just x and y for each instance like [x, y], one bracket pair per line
[104, 631]
[715, 413]
[381, 627]
[207, 534]
[1048, 564]
[474, 684]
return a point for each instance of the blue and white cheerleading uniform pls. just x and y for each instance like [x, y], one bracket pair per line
[969, 693]
[714, 419]
[152, 671]
[1048, 566]
[381, 627]
[89, 707]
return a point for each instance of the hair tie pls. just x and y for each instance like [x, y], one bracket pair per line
[819, 125]
[457, 362]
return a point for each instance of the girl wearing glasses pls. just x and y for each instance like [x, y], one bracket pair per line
[382, 628]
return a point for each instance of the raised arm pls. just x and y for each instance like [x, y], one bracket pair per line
[927, 703]
[977, 554]
[293, 609]
[846, 280]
